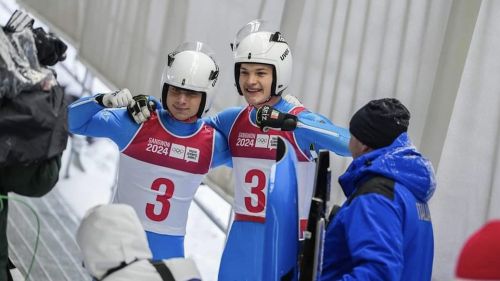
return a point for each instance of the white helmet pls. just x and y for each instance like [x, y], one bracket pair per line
[191, 66]
[257, 43]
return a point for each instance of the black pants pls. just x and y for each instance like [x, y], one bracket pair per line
[34, 180]
[4, 248]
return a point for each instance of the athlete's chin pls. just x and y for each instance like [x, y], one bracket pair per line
[181, 116]
[254, 100]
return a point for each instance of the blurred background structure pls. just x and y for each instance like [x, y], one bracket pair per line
[440, 58]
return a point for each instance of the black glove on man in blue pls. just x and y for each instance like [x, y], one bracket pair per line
[270, 118]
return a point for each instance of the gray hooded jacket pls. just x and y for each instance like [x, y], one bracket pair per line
[115, 247]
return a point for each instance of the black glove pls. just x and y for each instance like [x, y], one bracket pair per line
[270, 118]
[140, 110]
[50, 49]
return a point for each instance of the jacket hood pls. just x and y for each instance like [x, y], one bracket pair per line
[109, 235]
[400, 162]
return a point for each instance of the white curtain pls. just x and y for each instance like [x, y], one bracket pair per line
[349, 52]
[64, 17]
[440, 58]
[468, 192]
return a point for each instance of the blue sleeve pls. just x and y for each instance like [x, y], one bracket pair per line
[156, 102]
[222, 154]
[87, 117]
[375, 239]
[322, 133]
[224, 120]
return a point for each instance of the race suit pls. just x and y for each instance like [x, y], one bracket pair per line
[162, 163]
[253, 153]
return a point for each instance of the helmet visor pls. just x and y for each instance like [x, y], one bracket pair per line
[196, 47]
[258, 44]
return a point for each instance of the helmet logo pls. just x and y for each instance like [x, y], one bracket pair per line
[249, 55]
[283, 56]
[213, 75]
[183, 81]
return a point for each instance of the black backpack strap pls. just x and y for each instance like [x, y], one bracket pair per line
[335, 209]
[378, 184]
[163, 270]
[110, 271]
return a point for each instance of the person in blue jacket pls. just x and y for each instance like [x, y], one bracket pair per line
[162, 160]
[383, 231]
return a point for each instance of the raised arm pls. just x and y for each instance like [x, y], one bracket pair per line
[319, 131]
[88, 116]
[309, 128]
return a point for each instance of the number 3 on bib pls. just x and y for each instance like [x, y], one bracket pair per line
[162, 200]
[258, 180]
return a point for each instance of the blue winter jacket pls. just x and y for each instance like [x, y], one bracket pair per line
[383, 231]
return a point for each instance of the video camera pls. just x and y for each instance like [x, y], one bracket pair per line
[50, 49]
[33, 114]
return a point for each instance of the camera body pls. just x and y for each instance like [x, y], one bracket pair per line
[50, 49]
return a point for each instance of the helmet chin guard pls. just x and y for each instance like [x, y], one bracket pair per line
[191, 66]
[256, 42]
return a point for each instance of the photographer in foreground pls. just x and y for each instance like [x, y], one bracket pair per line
[32, 116]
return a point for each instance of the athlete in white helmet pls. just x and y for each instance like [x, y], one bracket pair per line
[262, 72]
[164, 159]
[263, 69]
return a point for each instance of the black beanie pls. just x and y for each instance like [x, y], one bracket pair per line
[380, 122]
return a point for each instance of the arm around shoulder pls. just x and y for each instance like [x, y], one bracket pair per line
[222, 154]
[223, 121]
